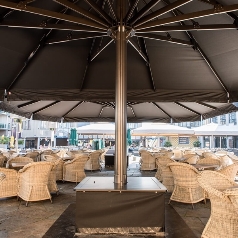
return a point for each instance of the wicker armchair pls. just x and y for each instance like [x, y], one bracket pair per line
[209, 161]
[164, 174]
[147, 161]
[73, 170]
[178, 154]
[33, 181]
[34, 155]
[8, 182]
[52, 185]
[93, 163]
[223, 221]
[230, 171]
[17, 160]
[186, 187]
[192, 159]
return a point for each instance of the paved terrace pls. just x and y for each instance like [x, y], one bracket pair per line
[43, 219]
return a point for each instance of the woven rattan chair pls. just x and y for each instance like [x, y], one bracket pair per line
[73, 170]
[59, 167]
[45, 152]
[164, 174]
[8, 182]
[192, 159]
[178, 154]
[223, 222]
[230, 171]
[33, 181]
[52, 185]
[147, 161]
[93, 163]
[34, 155]
[18, 160]
[186, 187]
[209, 160]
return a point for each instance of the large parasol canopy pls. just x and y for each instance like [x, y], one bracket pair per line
[58, 59]
[119, 54]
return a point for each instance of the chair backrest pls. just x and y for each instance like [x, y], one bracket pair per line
[18, 160]
[147, 157]
[36, 173]
[184, 174]
[192, 159]
[177, 154]
[79, 162]
[34, 155]
[214, 183]
[230, 171]
[209, 155]
[209, 161]
[2, 160]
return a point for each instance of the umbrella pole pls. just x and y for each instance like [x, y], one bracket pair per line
[120, 177]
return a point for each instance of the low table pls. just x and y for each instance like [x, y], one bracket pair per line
[205, 166]
[138, 207]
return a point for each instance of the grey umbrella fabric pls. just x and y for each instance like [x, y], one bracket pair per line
[58, 59]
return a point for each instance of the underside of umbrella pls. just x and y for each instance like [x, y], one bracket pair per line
[58, 58]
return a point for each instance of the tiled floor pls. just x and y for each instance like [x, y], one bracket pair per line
[43, 219]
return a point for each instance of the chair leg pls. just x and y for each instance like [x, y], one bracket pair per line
[192, 206]
[27, 204]
[169, 201]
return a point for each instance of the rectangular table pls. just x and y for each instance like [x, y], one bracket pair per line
[138, 207]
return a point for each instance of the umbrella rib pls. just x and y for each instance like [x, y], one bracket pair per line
[161, 11]
[82, 12]
[207, 105]
[162, 110]
[26, 104]
[188, 108]
[164, 38]
[31, 56]
[71, 109]
[70, 38]
[45, 107]
[194, 27]
[45, 25]
[52, 14]
[143, 11]
[111, 10]
[148, 65]
[188, 16]
[131, 10]
[133, 44]
[100, 50]
[101, 12]
[132, 110]
[204, 56]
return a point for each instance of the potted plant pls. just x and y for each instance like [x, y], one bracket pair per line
[197, 143]
[4, 140]
[167, 144]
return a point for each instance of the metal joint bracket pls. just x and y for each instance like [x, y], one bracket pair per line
[43, 23]
[130, 33]
[218, 7]
[196, 25]
[22, 5]
[69, 36]
[169, 36]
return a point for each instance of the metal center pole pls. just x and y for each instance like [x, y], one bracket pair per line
[120, 177]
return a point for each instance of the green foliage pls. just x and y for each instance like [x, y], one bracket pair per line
[197, 143]
[20, 142]
[4, 140]
[167, 144]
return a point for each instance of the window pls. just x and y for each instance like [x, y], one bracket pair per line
[26, 125]
[223, 119]
[232, 118]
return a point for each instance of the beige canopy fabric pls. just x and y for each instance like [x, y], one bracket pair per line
[97, 129]
[214, 129]
[161, 129]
